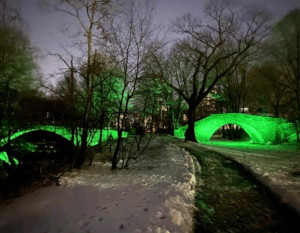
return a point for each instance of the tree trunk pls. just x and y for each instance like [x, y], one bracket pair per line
[190, 132]
[83, 147]
[100, 140]
[114, 160]
[101, 127]
[173, 124]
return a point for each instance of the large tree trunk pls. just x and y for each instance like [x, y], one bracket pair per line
[190, 132]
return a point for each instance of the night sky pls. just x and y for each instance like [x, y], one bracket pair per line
[45, 27]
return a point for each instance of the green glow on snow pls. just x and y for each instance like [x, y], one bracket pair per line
[261, 130]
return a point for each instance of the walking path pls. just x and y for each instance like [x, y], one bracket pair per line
[153, 195]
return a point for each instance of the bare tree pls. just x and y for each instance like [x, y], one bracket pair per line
[209, 51]
[274, 86]
[90, 16]
[130, 40]
[67, 90]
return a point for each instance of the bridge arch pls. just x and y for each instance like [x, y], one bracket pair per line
[93, 138]
[205, 130]
[260, 129]
[60, 131]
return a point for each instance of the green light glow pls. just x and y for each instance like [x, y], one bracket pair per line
[261, 130]
[4, 157]
[93, 139]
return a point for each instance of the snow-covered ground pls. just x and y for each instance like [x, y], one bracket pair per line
[153, 195]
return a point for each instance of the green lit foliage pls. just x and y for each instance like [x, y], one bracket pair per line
[158, 104]
[261, 130]
[93, 139]
[4, 158]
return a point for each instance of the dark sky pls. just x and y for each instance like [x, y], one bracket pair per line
[45, 27]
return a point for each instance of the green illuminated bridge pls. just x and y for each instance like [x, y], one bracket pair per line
[93, 138]
[261, 130]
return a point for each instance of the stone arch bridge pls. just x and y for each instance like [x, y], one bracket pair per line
[93, 138]
[261, 129]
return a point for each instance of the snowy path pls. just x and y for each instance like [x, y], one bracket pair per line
[155, 195]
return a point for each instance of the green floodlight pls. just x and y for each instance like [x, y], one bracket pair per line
[261, 130]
